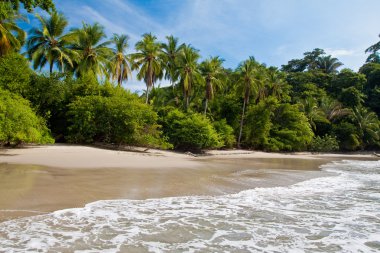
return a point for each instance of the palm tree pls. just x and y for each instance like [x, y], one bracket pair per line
[213, 72]
[119, 62]
[188, 71]
[247, 72]
[94, 54]
[148, 60]
[333, 109]
[313, 113]
[328, 64]
[374, 54]
[170, 53]
[49, 44]
[367, 123]
[11, 36]
[277, 83]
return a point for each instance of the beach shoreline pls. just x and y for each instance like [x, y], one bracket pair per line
[40, 179]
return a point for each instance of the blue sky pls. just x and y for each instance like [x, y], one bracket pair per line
[273, 31]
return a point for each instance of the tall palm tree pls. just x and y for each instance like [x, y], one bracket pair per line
[170, 53]
[247, 79]
[213, 72]
[120, 68]
[148, 60]
[93, 54]
[277, 83]
[49, 44]
[188, 70]
[328, 64]
[12, 37]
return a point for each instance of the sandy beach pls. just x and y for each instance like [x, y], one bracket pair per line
[40, 179]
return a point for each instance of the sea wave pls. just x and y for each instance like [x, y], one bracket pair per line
[339, 213]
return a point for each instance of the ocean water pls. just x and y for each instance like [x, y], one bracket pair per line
[338, 213]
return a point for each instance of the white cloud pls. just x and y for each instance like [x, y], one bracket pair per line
[339, 52]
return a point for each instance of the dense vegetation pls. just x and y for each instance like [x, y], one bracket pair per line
[75, 93]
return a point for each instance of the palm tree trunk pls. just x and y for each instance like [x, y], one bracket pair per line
[147, 95]
[51, 68]
[206, 103]
[241, 124]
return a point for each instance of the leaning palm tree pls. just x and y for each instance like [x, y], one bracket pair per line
[247, 80]
[170, 52]
[188, 70]
[49, 44]
[93, 54]
[213, 73]
[120, 69]
[148, 61]
[11, 35]
[328, 64]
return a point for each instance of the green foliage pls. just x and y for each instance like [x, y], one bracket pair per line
[225, 132]
[120, 120]
[351, 97]
[14, 73]
[29, 5]
[326, 143]
[189, 131]
[273, 126]
[19, 123]
[347, 135]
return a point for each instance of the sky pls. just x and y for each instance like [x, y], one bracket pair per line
[273, 31]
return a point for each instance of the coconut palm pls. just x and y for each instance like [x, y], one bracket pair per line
[148, 61]
[374, 52]
[49, 44]
[93, 54]
[188, 71]
[213, 73]
[170, 53]
[328, 64]
[248, 81]
[333, 109]
[277, 84]
[367, 123]
[120, 69]
[313, 113]
[11, 35]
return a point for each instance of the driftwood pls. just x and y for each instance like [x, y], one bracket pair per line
[375, 154]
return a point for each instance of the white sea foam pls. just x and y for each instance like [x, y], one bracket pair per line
[338, 213]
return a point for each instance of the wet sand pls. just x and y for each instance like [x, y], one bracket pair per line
[31, 183]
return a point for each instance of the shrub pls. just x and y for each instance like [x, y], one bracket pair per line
[189, 131]
[14, 73]
[19, 123]
[326, 143]
[225, 132]
[120, 120]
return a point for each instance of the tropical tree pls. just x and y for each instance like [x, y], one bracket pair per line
[328, 64]
[170, 52]
[247, 72]
[29, 5]
[213, 73]
[188, 71]
[49, 44]
[374, 54]
[148, 60]
[120, 68]
[309, 107]
[94, 54]
[11, 35]
[278, 87]
[367, 124]
[333, 109]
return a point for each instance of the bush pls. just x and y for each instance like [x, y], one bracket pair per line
[120, 120]
[14, 73]
[19, 123]
[225, 132]
[326, 143]
[190, 131]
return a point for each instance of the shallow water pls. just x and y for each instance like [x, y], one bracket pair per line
[337, 213]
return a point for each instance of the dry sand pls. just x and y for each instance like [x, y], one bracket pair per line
[42, 179]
